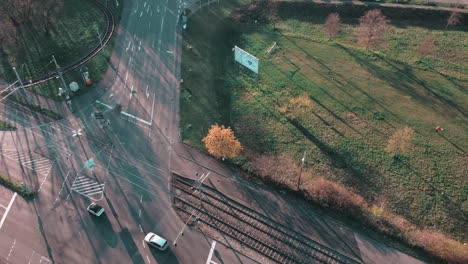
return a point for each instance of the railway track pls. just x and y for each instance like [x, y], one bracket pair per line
[109, 32]
[273, 240]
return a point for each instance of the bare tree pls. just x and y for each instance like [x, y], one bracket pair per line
[273, 12]
[453, 19]
[332, 25]
[372, 28]
[426, 46]
[39, 12]
[7, 32]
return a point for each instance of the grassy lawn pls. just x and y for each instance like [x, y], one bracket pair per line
[69, 37]
[359, 98]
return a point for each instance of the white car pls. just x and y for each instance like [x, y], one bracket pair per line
[95, 209]
[156, 241]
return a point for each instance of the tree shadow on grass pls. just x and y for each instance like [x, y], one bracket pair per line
[405, 81]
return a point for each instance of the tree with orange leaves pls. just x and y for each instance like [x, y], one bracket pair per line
[221, 142]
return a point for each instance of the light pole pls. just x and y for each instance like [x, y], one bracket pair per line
[181, 233]
[200, 185]
[300, 171]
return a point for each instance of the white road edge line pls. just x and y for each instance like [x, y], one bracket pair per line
[126, 114]
[7, 210]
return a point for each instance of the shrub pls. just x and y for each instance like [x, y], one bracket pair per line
[8, 183]
[334, 195]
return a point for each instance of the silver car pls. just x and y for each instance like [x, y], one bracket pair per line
[156, 241]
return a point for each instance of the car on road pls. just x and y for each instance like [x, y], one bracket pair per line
[95, 209]
[156, 241]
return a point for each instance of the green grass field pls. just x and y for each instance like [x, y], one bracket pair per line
[359, 99]
[70, 36]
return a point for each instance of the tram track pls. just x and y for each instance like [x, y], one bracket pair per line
[271, 239]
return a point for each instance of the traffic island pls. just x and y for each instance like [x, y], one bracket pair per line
[21, 189]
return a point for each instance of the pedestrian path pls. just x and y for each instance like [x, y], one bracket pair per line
[90, 188]
[31, 160]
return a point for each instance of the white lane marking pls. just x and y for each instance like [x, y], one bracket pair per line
[162, 23]
[130, 60]
[31, 257]
[3, 206]
[152, 108]
[148, 258]
[139, 45]
[61, 189]
[168, 51]
[129, 43]
[141, 229]
[126, 76]
[141, 14]
[8, 209]
[144, 5]
[137, 118]
[139, 213]
[141, 198]
[147, 10]
[44, 258]
[131, 92]
[147, 94]
[157, 8]
[11, 249]
[144, 246]
[43, 181]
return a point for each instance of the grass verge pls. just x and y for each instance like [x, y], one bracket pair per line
[19, 188]
[354, 101]
[6, 126]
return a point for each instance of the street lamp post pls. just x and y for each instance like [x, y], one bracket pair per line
[300, 171]
[181, 233]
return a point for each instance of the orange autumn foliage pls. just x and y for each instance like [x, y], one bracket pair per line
[221, 142]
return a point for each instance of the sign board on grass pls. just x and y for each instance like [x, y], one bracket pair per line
[246, 59]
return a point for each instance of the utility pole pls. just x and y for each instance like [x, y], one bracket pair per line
[19, 79]
[200, 185]
[59, 72]
[300, 172]
[181, 233]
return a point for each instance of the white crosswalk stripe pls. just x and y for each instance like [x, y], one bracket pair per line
[30, 160]
[88, 187]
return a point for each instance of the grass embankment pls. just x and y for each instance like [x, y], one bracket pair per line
[70, 36]
[354, 100]
[6, 126]
[19, 188]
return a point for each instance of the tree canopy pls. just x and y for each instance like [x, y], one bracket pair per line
[221, 142]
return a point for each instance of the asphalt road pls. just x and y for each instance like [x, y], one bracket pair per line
[133, 157]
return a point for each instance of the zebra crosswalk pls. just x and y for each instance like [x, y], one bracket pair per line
[88, 187]
[30, 160]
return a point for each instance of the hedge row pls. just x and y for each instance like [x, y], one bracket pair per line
[19, 188]
[36, 108]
